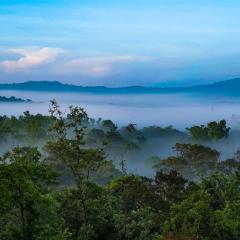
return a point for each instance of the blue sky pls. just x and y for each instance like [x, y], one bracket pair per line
[119, 43]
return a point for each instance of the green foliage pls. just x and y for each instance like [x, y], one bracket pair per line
[99, 212]
[133, 191]
[113, 137]
[213, 131]
[144, 204]
[68, 143]
[37, 204]
[218, 130]
[108, 125]
[26, 127]
[27, 210]
[229, 165]
[170, 186]
[191, 160]
[210, 211]
[69, 148]
[199, 132]
[96, 136]
[156, 131]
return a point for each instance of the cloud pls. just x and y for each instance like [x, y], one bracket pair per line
[30, 58]
[99, 66]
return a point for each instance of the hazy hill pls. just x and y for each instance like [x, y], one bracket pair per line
[228, 87]
[13, 99]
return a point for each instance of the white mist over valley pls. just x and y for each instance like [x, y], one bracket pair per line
[178, 110]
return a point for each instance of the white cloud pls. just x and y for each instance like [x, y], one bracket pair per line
[29, 58]
[98, 66]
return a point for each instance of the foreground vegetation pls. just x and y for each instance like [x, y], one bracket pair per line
[67, 188]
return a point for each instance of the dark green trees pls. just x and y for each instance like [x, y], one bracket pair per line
[27, 209]
[213, 131]
[210, 211]
[81, 206]
[68, 144]
[191, 160]
[121, 206]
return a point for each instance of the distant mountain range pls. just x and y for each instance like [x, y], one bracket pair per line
[228, 87]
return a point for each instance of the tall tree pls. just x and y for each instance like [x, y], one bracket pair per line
[68, 147]
[27, 209]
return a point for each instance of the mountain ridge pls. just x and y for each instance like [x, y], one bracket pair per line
[231, 87]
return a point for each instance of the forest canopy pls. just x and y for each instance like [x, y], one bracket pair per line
[70, 177]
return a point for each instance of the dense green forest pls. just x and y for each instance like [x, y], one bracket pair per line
[69, 177]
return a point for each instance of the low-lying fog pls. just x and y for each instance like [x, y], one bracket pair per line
[178, 110]
[143, 109]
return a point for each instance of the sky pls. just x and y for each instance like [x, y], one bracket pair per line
[120, 43]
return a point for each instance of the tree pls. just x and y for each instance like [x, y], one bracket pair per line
[27, 208]
[210, 211]
[230, 165]
[132, 133]
[134, 191]
[213, 131]
[98, 202]
[191, 161]
[108, 125]
[155, 131]
[199, 132]
[112, 137]
[218, 130]
[171, 187]
[137, 212]
[95, 136]
[131, 128]
[68, 147]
